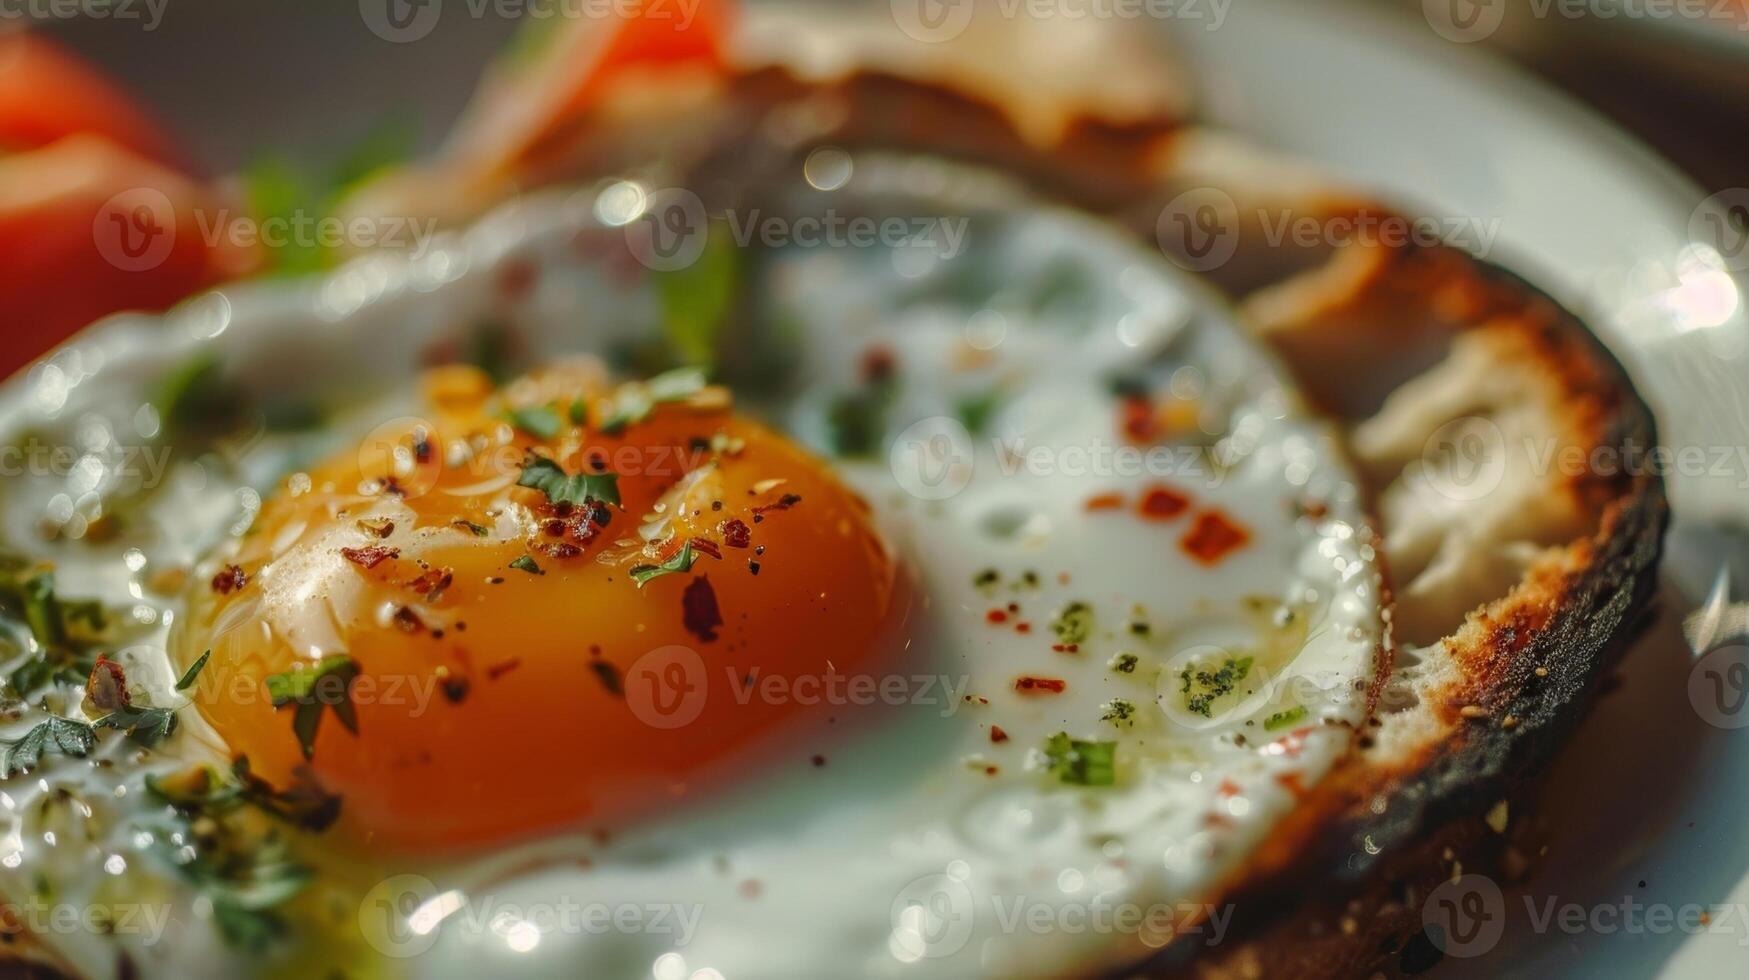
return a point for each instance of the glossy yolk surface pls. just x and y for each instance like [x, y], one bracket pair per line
[505, 669]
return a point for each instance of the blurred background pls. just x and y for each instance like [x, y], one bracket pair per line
[234, 79]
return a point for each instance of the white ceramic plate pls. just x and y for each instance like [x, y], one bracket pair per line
[1650, 791]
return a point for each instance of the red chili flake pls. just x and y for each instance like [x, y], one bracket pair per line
[699, 613]
[1228, 788]
[878, 365]
[1162, 504]
[432, 583]
[1136, 419]
[1213, 537]
[500, 669]
[1023, 627]
[369, 557]
[736, 533]
[1105, 501]
[707, 546]
[1314, 509]
[108, 685]
[229, 579]
[819, 761]
[997, 735]
[996, 616]
[1029, 684]
[991, 770]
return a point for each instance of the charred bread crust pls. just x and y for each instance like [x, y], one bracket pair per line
[1378, 835]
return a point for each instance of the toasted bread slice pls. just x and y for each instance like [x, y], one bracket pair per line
[1493, 431]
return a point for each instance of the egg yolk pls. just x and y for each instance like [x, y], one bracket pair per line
[553, 605]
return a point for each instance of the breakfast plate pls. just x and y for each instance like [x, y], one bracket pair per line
[354, 550]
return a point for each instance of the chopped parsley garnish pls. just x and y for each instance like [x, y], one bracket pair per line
[196, 398]
[1124, 663]
[856, 420]
[527, 564]
[633, 402]
[220, 840]
[1284, 719]
[489, 350]
[696, 299]
[193, 672]
[1210, 686]
[144, 725]
[1081, 763]
[537, 421]
[681, 562]
[1074, 623]
[477, 530]
[65, 631]
[327, 684]
[975, 411]
[1120, 712]
[541, 473]
[63, 735]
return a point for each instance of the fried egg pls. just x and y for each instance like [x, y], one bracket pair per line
[980, 612]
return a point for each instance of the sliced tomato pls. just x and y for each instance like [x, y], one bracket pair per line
[88, 228]
[525, 97]
[47, 93]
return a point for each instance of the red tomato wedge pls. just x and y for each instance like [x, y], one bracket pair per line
[46, 93]
[520, 101]
[88, 229]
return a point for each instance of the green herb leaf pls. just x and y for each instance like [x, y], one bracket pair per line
[527, 564]
[696, 299]
[1203, 687]
[976, 410]
[1081, 763]
[541, 473]
[328, 684]
[145, 726]
[1285, 719]
[856, 421]
[681, 562]
[193, 672]
[633, 402]
[477, 530]
[538, 421]
[62, 735]
[1074, 623]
